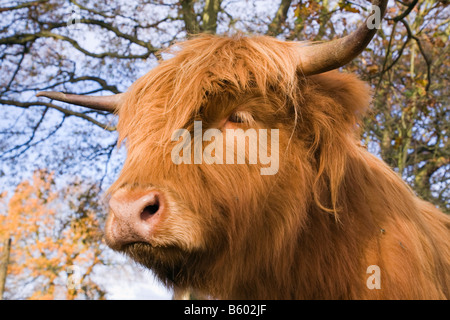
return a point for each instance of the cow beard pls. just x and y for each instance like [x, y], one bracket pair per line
[170, 263]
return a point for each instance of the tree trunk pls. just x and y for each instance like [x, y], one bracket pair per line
[4, 265]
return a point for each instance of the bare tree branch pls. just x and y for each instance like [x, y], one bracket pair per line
[67, 112]
[406, 12]
[280, 17]
[23, 5]
[422, 51]
[209, 17]
[189, 16]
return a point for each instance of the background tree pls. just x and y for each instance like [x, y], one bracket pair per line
[55, 234]
[102, 47]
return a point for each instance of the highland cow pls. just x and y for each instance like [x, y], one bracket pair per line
[334, 221]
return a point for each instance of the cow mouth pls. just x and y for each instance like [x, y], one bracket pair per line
[165, 261]
[141, 252]
[133, 246]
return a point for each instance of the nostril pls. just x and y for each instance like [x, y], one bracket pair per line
[151, 208]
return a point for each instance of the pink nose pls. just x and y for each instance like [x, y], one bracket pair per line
[133, 216]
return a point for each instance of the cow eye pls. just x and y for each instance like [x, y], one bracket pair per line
[240, 117]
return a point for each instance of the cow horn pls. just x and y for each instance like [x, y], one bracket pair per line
[322, 57]
[102, 103]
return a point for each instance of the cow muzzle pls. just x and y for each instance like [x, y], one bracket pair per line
[133, 217]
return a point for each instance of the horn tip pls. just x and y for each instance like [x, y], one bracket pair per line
[50, 94]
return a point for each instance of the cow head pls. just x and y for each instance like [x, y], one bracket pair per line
[194, 223]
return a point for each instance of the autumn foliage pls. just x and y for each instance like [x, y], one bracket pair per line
[51, 229]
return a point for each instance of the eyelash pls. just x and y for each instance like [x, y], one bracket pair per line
[236, 118]
[240, 117]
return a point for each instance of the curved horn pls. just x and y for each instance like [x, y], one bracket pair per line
[102, 103]
[322, 57]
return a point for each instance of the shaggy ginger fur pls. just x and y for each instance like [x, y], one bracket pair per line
[308, 232]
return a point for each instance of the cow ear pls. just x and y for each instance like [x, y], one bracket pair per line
[332, 105]
[351, 95]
